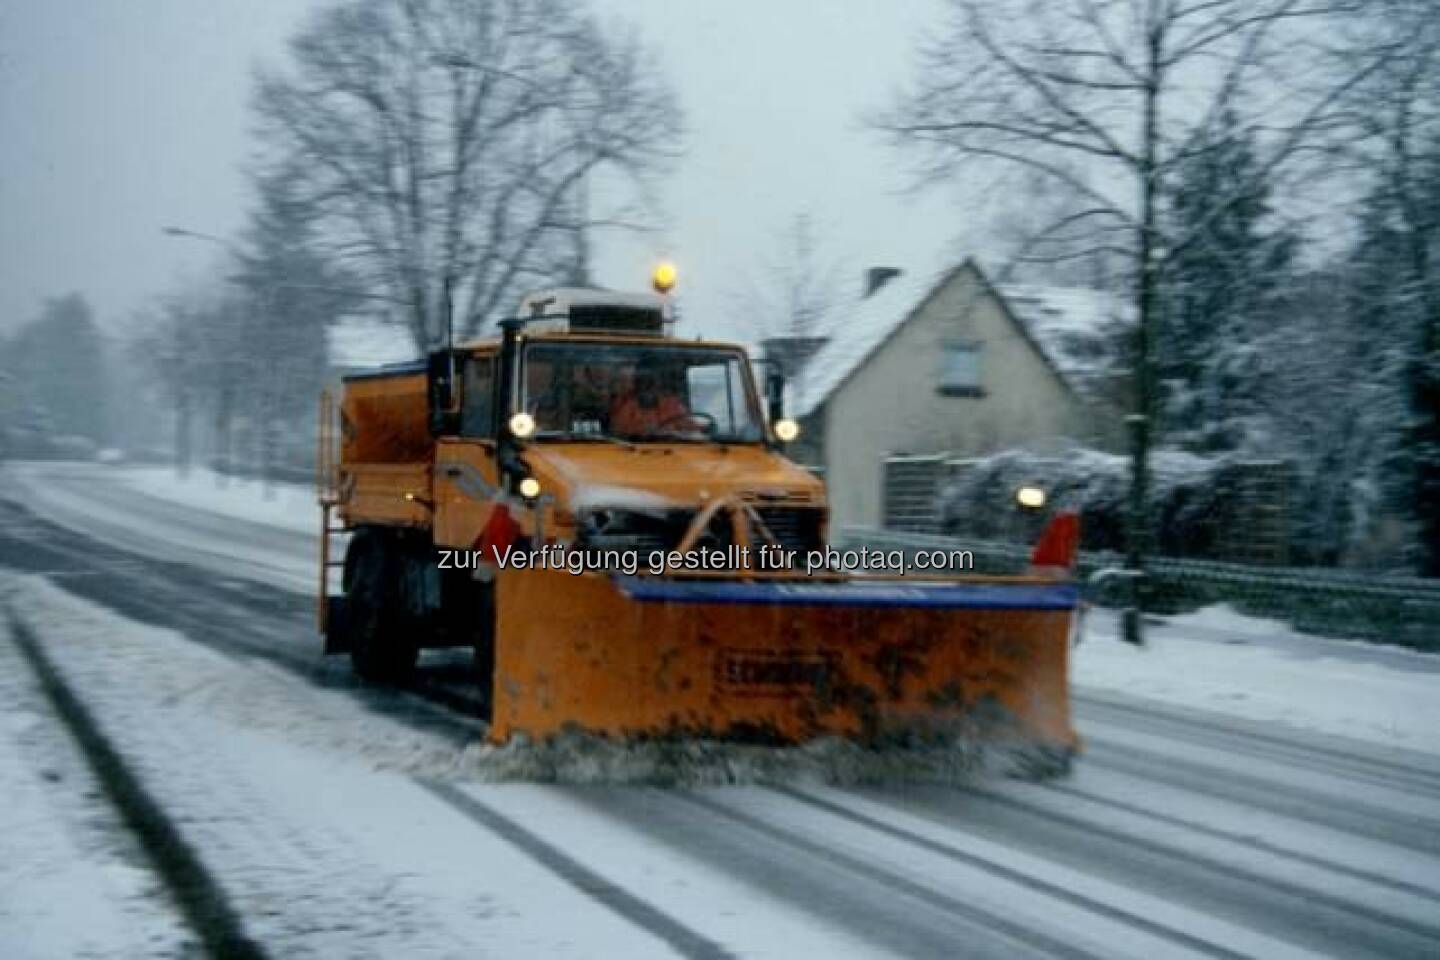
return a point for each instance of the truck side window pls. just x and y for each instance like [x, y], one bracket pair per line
[477, 416]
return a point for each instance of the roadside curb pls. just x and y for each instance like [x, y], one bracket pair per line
[200, 898]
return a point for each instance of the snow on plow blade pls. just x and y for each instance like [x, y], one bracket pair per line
[784, 660]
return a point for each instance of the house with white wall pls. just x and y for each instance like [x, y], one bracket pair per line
[924, 365]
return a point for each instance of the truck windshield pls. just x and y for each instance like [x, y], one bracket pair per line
[578, 391]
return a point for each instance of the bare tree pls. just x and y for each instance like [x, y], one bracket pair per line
[806, 282]
[1109, 97]
[790, 303]
[444, 145]
[193, 347]
[793, 296]
[291, 296]
[1043, 241]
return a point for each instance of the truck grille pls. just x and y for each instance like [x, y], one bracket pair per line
[642, 543]
[795, 528]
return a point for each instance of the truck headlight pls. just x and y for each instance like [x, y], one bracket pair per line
[786, 430]
[522, 425]
[1031, 498]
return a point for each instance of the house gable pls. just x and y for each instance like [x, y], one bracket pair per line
[890, 402]
[1076, 327]
[878, 319]
[867, 323]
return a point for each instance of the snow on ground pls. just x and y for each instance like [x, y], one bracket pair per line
[1222, 661]
[307, 809]
[1216, 659]
[284, 790]
[218, 533]
[289, 506]
[1004, 896]
[239, 692]
[72, 881]
[745, 919]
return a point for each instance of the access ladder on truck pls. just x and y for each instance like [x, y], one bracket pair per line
[327, 483]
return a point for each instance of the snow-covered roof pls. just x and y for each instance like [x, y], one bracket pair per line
[1070, 325]
[863, 325]
[363, 342]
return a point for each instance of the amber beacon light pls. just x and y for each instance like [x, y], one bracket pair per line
[663, 277]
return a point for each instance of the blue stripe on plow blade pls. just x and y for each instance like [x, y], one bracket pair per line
[853, 593]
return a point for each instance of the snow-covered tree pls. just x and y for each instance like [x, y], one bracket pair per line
[1221, 297]
[1394, 142]
[1393, 300]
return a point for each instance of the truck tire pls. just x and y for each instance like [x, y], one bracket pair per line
[381, 651]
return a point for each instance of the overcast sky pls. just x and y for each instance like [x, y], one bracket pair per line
[122, 116]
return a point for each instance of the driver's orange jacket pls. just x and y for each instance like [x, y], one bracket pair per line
[628, 417]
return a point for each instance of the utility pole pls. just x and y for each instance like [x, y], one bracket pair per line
[1140, 422]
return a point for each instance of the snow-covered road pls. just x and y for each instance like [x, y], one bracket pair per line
[342, 821]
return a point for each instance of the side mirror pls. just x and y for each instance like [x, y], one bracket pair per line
[774, 388]
[443, 398]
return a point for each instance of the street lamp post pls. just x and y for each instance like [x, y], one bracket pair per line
[250, 261]
[184, 233]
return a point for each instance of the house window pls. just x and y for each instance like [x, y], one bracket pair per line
[960, 369]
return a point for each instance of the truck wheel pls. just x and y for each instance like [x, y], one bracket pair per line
[380, 651]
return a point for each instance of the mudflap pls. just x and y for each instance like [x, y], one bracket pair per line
[784, 661]
[337, 625]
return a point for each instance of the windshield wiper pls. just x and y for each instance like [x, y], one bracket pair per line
[676, 437]
[583, 438]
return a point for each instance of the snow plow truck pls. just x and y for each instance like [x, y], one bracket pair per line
[605, 513]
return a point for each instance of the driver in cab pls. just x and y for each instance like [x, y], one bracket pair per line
[651, 405]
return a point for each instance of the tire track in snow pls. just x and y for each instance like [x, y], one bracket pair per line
[1296, 803]
[199, 540]
[858, 906]
[1271, 902]
[196, 892]
[95, 505]
[1258, 843]
[1041, 886]
[685, 941]
[234, 618]
[1018, 933]
[1340, 904]
[1194, 727]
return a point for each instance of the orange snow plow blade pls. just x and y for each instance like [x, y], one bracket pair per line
[784, 659]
